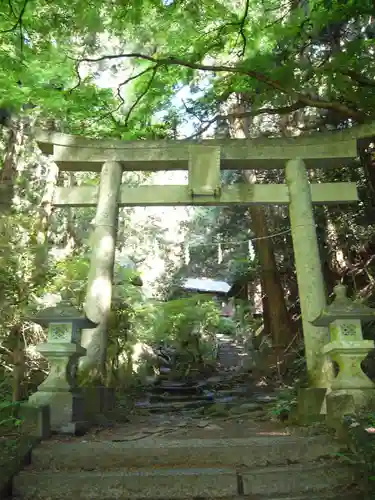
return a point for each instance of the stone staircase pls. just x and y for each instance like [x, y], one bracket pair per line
[256, 468]
[231, 352]
[170, 396]
[195, 458]
[165, 394]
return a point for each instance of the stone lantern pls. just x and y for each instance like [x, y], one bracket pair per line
[346, 345]
[63, 350]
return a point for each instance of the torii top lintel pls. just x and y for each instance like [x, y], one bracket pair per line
[320, 150]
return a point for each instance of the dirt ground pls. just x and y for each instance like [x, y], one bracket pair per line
[184, 426]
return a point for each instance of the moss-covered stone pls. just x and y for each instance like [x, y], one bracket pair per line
[310, 405]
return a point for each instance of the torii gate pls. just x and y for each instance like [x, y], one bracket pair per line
[203, 160]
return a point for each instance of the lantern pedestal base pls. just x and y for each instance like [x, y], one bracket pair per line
[311, 405]
[348, 402]
[98, 401]
[349, 356]
[59, 390]
[66, 411]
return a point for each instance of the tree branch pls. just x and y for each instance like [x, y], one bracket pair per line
[11, 8]
[121, 99]
[283, 110]
[19, 18]
[242, 26]
[357, 77]
[141, 96]
[130, 79]
[240, 70]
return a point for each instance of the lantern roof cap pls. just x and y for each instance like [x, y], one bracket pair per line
[62, 312]
[344, 308]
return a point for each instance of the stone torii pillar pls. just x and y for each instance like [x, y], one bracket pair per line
[99, 289]
[311, 288]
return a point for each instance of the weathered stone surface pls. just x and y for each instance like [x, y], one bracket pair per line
[65, 408]
[320, 151]
[203, 423]
[318, 481]
[251, 452]
[264, 398]
[311, 404]
[339, 405]
[36, 420]
[99, 288]
[204, 170]
[341, 313]
[250, 407]
[97, 400]
[309, 273]
[173, 195]
[349, 355]
[295, 479]
[212, 427]
[348, 402]
[176, 484]
[343, 495]
[347, 347]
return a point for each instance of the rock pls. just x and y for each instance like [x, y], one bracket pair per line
[103, 421]
[215, 380]
[218, 410]
[250, 406]
[150, 379]
[262, 398]
[182, 424]
[213, 427]
[203, 423]
[131, 437]
[154, 430]
[164, 369]
[164, 423]
[258, 414]
[263, 418]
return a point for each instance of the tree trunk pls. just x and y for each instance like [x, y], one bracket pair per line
[278, 317]
[8, 173]
[40, 239]
[265, 308]
[18, 364]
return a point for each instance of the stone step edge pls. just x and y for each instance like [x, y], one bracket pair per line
[224, 481]
[188, 471]
[153, 443]
[321, 496]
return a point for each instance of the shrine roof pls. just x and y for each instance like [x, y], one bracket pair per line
[206, 285]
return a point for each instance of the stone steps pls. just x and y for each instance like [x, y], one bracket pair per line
[236, 453]
[172, 407]
[226, 397]
[231, 353]
[177, 483]
[180, 398]
[261, 467]
[269, 467]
